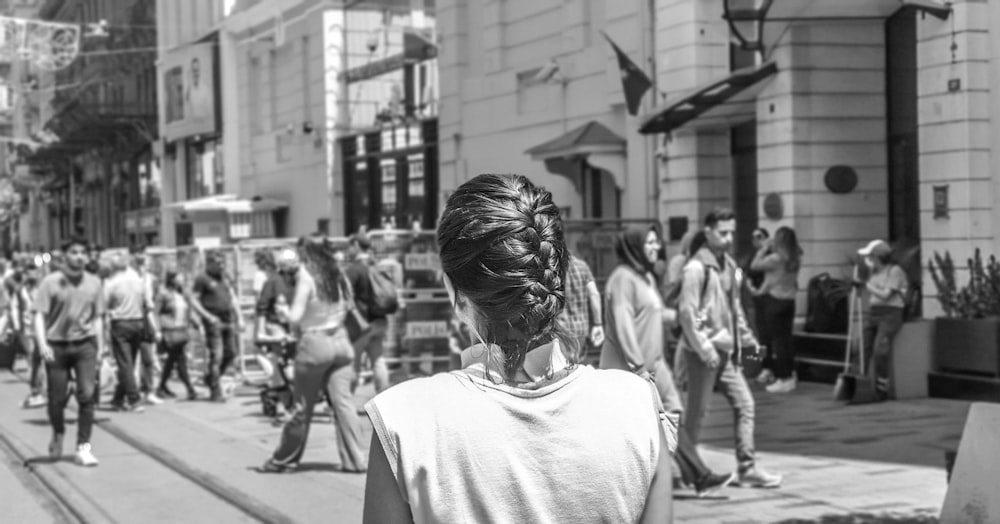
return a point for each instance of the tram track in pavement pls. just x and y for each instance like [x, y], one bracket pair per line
[68, 501]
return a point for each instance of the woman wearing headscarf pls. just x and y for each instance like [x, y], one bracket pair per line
[634, 316]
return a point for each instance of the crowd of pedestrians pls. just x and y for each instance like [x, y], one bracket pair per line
[576, 394]
[72, 313]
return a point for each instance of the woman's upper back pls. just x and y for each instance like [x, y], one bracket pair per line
[318, 313]
[464, 449]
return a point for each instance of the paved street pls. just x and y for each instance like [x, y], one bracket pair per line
[882, 460]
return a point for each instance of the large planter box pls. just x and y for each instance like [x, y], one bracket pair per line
[967, 346]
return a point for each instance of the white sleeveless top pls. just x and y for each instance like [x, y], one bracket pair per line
[580, 448]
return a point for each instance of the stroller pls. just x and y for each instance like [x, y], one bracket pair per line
[273, 395]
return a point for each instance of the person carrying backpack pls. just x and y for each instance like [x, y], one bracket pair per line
[376, 294]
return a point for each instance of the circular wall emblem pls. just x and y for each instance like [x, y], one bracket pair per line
[774, 208]
[841, 179]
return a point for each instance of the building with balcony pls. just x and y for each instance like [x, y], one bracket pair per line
[306, 81]
[96, 145]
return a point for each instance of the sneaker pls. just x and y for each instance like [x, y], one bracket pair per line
[782, 385]
[712, 483]
[274, 467]
[84, 457]
[758, 478]
[130, 408]
[56, 447]
[192, 395]
[165, 393]
[153, 400]
[34, 401]
[766, 376]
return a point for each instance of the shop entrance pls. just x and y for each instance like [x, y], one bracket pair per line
[902, 140]
[743, 150]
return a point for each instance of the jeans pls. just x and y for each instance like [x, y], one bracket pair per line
[221, 353]
[126, 341]
[36, 378]
[324, 360]
[691, 466]
[733, 385]
[81, 357]
[147, 366]
[372, 344]
[778, 316]
[885, 323]
[176, 349]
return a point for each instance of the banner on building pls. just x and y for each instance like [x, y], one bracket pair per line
[188, 82]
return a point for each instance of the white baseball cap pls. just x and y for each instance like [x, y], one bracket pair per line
[875, 247]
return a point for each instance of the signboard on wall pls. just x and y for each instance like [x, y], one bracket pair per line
[188, 86]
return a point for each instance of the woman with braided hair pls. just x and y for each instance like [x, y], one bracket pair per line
[519, 434]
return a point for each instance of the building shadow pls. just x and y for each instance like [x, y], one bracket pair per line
[809, 423]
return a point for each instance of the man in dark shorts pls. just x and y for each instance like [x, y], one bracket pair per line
[213, 299]
[69, 331]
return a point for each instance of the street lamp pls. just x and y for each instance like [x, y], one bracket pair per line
[746, 21]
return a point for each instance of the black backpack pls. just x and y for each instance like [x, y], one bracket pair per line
[827, 302]
[384, 299]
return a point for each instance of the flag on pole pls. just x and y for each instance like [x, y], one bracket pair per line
[635, 83]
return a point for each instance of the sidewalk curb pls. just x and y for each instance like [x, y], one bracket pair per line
[69, 500]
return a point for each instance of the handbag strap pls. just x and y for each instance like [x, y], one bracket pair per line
[347, 293]
[734, 288]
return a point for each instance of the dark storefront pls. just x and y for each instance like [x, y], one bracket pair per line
[391, 176]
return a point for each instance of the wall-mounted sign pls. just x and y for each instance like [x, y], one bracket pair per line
[941, 201]
[188, 87]
[774, 208]
[418, 46]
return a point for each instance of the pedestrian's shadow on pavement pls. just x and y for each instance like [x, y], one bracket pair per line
[868, 518]
[68, 422]
[307, 467]
[693, 496]
[44, 460]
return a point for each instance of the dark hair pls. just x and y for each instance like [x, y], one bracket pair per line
[762, 231]
[787, 242]
[885, 258]
[698, 241]
[319, 260]
[74, 241]
[169, 279]
[264, 259]
[719, 214]
[362, 240]
[502, 247]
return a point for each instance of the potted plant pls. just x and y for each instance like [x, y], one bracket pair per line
[967, 338]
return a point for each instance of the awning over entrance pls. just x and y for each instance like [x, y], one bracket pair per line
[601, 147]
[719, 104]
[591, 137]
[839, 9]
[228, 203]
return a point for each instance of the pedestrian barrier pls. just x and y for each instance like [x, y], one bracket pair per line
[418, 333]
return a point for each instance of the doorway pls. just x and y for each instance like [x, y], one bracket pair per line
[903, 141]
[743, 150]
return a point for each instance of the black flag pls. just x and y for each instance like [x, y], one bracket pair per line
[635, 83]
